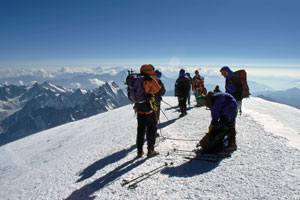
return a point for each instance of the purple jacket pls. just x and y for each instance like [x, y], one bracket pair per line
[233, 84]
[223, 106]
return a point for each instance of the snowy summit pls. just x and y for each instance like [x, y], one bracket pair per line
[92, 157]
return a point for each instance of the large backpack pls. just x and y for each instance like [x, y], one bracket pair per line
[135, 90]
[242, 74]
[213, 141]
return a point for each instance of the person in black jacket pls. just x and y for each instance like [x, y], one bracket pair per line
[182, 89]
[158, 96]
[190, 78]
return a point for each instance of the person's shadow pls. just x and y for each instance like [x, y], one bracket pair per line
[176, 108]
[166, 123]
[189, 169]
[86, 191]
[93, 168]
[172, 107]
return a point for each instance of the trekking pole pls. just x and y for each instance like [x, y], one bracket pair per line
[166, 103]
[160, 129]
[164, 114]
[125, 182]
[181, 139]
[149, 174]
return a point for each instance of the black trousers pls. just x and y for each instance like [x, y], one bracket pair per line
[230, 124]
[182, 104]
[229, 127]
[146, 126]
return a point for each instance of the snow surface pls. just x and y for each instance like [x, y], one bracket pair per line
[88, 159]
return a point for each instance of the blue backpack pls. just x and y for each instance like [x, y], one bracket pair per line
[135, 90]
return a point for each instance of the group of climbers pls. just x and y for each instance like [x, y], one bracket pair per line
[223, 106]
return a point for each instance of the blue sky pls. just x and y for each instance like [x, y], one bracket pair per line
[70, 32]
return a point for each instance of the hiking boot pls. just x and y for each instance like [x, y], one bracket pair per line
[140, 153]
[152, 153]
[182, 115]
[231, 147]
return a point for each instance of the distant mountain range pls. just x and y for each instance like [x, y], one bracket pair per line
[92, 78]
[290, 97]
[65, 78]
[27, 110]
[43, 104]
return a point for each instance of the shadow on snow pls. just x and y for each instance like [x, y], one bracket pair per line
[86, 191]
[93, 168]
[167, 123]
[189, 169]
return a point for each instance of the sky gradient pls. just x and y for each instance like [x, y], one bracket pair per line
[70, 32]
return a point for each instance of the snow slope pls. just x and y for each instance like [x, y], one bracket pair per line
[88, 159]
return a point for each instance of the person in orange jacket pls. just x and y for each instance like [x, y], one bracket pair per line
[146, 112]
[197, 83]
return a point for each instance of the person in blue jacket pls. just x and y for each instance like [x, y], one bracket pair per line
[223, 108]
[233, 84]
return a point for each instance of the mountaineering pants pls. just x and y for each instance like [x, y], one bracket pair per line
[146, 126]
[182, 104]
[158, 111]
[230, 123]
[240, 106]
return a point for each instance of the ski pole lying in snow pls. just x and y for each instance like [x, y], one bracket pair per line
[211, 157]
[218, 154]
[144, 176]
[180, 139]
[201, 158]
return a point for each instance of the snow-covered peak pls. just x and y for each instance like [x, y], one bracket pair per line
[81, 91]
[53, 88]
[96, 82]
